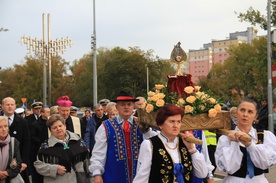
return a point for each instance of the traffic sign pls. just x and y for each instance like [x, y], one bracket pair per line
[274, 73]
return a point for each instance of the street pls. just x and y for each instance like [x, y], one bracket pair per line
[271, 176]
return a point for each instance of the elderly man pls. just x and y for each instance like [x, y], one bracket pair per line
[89, 137]
[99, 115]
[19, 130]
[138, 104]
[72, 123]
[115, 154]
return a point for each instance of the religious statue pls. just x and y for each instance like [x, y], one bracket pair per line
[178, 57]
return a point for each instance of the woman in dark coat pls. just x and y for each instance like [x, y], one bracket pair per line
[9, 166]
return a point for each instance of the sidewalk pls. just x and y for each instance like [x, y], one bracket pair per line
[271, 176]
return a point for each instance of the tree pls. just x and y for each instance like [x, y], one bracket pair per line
[256, 18]
[244, 73]
[117, 69]
[26, 80]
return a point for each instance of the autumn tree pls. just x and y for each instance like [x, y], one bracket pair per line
[26, 80]
[244, 73]
[117, 69]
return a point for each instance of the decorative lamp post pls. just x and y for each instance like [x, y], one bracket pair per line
[53, 47]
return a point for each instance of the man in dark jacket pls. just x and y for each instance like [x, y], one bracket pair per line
[84, 120]
[18, 129]
[36, 109]
[39, 133]
[262, 120]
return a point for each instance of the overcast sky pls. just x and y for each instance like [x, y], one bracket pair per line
[148, 24]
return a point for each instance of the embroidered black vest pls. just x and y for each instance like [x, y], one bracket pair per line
[242, 172]
[162, 164]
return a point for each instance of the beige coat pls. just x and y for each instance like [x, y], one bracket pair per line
[49, 171]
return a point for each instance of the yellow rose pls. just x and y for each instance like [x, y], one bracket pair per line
[202, 107]
[155, 98]
[149, 108]
[189, 89]
[150, 94]
[181, 101]
[160, 103]
[188, 109]
[161, 95]
[197, 88]
[212, 100]
[218, 108]
[191, 99]
[212, 113]
[159, 87]
[199, 94]
[149, 99]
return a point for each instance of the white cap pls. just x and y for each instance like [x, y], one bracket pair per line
[19, 110]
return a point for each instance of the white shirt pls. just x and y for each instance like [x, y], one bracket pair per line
[10, 119]
[99, 152]
[145, 160]
[229, 156]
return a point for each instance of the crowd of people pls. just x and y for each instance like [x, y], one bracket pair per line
[106, 145]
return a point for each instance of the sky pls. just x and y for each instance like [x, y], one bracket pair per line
[147, 24]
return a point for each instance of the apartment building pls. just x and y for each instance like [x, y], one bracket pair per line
[201, 61]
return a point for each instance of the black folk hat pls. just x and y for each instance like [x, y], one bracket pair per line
[125, 96]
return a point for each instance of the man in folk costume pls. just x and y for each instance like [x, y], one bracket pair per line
[115, 154]
[72, 122]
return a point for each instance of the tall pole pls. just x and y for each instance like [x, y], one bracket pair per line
[95, 90]
[269, 86]
[147, 79]
[44, 61]
[46, 50]
[49, 65]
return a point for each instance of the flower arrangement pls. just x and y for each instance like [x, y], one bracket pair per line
[194, 101]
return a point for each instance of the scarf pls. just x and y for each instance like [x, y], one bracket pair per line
[4, 152]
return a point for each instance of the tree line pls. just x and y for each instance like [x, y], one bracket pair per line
[244, 74]
[117, 69]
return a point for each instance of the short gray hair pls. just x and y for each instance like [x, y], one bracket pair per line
[54, 118]
[4, 118]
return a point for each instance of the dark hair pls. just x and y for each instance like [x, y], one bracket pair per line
[54, 118]
[252, 101]
[167, 111]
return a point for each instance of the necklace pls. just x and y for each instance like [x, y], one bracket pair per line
[174, 148]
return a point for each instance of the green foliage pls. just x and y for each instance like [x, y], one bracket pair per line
[244, 73]
[26, 80]
[256, 18]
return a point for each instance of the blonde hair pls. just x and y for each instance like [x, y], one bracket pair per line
[54, 110]
[4, 118]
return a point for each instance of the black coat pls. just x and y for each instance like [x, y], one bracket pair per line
[83, 122]
[30, 119]
[19, 129]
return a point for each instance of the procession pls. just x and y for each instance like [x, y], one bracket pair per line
[142, 105]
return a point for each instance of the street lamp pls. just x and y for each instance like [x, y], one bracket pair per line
[269, 85]
[147, 78]
[93, 47]
[47, 50]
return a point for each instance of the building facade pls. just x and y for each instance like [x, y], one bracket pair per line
[201, 61]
